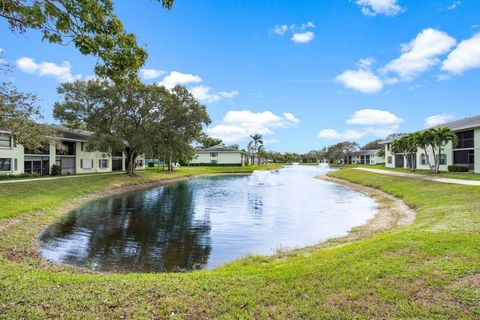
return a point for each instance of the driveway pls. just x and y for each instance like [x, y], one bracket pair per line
[422, 177]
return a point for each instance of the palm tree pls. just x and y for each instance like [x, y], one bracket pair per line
[255, 144]
[441, 137]
[407, 145]
[436, 139]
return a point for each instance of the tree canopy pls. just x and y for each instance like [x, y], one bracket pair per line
[91, 25]
[135, 119]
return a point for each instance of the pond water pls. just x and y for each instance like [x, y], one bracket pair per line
[205, 222]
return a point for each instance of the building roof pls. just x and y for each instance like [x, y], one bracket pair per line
[466, 123]
[218, 148]
[72, 134]
[371, 152]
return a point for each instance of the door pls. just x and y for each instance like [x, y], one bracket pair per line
[471, 160]
[116, 164]
[399, 161]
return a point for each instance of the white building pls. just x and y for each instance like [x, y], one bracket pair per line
[465, 153]
[73, 158]
[221, 156]
[367, 157]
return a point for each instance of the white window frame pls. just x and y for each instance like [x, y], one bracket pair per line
[9, 161]
[103, 163]
[83, 163]
[214, 154]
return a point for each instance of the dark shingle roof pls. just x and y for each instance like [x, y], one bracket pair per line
[67, 133]
[372, 152]
[467, 123]
[218, 148]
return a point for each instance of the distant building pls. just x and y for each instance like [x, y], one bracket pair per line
[465, 153]
[220, 155]
[367, 157]
[73, 158]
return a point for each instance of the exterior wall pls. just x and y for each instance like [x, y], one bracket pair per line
[477, 150]
[447, 150]
[95, 156]
[13, 153]
[232, 158]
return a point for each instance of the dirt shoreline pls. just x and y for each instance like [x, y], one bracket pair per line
[391, 213]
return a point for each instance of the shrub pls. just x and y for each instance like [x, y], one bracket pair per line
[457, 169]
[18, 176]
[55, 170]
[151, 164]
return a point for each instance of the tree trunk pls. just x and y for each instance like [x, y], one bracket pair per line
[170, 165]
[131, 163]
[428, 159]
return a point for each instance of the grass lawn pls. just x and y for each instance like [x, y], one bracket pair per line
[430, 269]
[452, 175]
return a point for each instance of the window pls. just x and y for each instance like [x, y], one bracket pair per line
[213, 162]
[86, 163]
[5, 140]
[5, 164]
[423, 159]
[465, 139]
[15, 164]
[389, 160]
[388, 146]
[103, 163]
[68, 148]
[213, 154]
[139, 163]
[442, 159]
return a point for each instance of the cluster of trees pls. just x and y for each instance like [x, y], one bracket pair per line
[433, 140]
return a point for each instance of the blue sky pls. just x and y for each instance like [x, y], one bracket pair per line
[306, 74]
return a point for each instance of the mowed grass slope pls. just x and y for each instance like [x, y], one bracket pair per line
[430, 269]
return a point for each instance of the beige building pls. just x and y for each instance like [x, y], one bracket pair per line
[73, 158]
[465, 153]
[367, 157]
[221, 156]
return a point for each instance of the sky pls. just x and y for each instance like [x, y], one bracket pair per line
[305, 74]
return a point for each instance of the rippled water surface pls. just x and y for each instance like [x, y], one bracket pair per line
[205, 222]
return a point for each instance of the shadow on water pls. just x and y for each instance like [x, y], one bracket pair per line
[205, 222]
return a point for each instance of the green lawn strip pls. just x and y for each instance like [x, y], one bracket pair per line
[430, 269]
[442, 174]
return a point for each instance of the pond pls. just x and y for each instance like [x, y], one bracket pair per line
[205, 222]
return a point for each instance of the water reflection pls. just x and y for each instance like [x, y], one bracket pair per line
[203, 223]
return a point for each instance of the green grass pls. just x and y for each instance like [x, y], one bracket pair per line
[429, 270]
[452, 175]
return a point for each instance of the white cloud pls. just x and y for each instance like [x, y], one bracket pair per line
[454, 5]
[437, 119]
[303, 37]
[237, 126]
[464, 57]
[149, 74]
[280, 29]
[175, 78]
[420, 54]
[307, 25]
[205, 94]
[336, 135]
[363, 79]
[62, 73]
[374, 117]
[376, 7]
[378, 123]
[291, 117]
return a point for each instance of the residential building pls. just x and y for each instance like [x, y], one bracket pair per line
[220, 155]
[465, 153]
[367, 157]
[73, 157]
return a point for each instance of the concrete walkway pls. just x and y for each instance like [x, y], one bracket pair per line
[422, 177]
[58, 178]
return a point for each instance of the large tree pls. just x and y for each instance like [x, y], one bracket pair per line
[254, 145]
[207, 142]
[91, 25]
[182, 122]
[133, 118]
